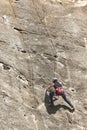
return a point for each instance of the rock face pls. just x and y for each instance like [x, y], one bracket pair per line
[40, 39]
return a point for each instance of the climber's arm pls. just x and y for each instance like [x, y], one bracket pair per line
[50, 87]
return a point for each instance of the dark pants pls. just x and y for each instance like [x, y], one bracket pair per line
[63, 96]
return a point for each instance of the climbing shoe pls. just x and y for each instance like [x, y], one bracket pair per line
[73, 109]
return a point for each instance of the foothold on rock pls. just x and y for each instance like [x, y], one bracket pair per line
[23, 51]
[72, 89]
[24, 86]
[55, 56]
[24, 114]
[34, 51]
[18, 29]
[33, 107]
[20, 77]
[6, 67]
[61, 3]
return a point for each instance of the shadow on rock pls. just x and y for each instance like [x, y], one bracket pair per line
[55, 108]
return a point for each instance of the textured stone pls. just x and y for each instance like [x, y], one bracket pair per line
[40, 39]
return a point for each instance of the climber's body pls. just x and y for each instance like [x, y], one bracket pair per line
[56, 89]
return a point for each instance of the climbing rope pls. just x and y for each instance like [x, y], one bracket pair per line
[53, 48]
[13, 11]
[48, 33]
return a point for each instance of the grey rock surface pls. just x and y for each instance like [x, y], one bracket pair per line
[40, 39]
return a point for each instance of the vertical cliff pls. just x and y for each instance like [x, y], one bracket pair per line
[40, 39]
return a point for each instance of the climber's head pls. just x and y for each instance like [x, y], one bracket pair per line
[54, 79]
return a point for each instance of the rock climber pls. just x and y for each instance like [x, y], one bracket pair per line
[56, 89]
